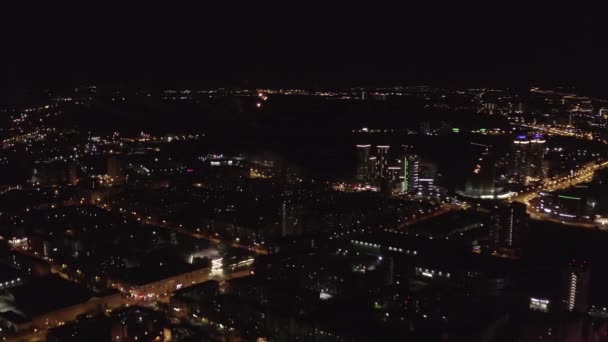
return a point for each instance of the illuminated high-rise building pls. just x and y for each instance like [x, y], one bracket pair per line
[411, 171]
[576, 286]
[508, 222]
[538, 168]
[394, 173]
[426, 187]
[528, 158]
[372, 168]
[519, 162]
[426, 179]
[394, 177]
[382, 154]
[362, 162]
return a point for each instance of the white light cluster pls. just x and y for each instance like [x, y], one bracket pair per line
[369, 244]
[572, 297]
[216, 267]
[430, 273]
[406, 251]
[539, 304]
[9, 283]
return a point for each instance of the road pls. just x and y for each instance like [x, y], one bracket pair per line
[444, 209]
[559, 130]
[583, 175]
[39, 334]
[176, 227]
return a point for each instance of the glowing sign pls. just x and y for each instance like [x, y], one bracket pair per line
[325, 296]
[538, 304]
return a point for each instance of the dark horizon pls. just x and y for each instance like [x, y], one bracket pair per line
[310, 47]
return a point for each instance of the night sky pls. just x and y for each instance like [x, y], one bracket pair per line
[305, 44]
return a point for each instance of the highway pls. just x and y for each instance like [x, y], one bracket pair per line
[444, 209]
[560, 130]
[38, 333]
[176, 227]
[583, 175]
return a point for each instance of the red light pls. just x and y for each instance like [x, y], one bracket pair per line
[190, 170]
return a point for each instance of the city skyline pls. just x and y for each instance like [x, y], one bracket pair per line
[298, 172]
